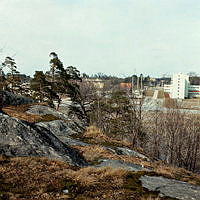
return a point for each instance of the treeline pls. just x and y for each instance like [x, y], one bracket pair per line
[135, 79]
[172, 135]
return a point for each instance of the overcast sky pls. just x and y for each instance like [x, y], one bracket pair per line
[117, 37]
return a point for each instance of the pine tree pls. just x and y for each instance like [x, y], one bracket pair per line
[42, 88]
[2, 79]
[12, 80]
[65, 83]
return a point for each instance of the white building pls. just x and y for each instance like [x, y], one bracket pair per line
[180, 87]
[194, 91]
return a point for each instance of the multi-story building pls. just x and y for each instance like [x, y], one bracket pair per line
[96, 82]
[180, 87]
[194, 91]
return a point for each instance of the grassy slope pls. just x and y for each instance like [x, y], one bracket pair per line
[40, 178]
[96, 151]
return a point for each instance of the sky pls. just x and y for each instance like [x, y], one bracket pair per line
[116, 37]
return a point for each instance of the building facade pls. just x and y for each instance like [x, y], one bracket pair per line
[180, 87]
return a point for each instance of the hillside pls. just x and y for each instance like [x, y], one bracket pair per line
[47, 154]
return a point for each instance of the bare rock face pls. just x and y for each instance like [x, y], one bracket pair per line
[63, 131]
[66, 123]
[43, 110]
[61, 127]
[171, 188]
[121, 164]
[129, 152]
[19, 138]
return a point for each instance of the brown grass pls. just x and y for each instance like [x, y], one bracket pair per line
[95, 176]
[150, 198]
[178, 173]
[40, 178]
[32, 177]
[96, 136]
[160, 94]
[94, 152]
[191, 104]
[149, 93]
[20, 113]
[94, 132]
[44, 179]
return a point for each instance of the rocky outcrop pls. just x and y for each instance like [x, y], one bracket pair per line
[120, 164]
[19, 138]
[171, 188]
[60, 127]
[63, 130]
[68, 123]
[129, 152]
[44, 110]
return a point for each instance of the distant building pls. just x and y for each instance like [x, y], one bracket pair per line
[180, 87]
[96, 82]
[125, 85]
[194, 91]
[23, 77]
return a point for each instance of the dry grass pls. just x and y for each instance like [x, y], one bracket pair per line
[160, 94]
[95, 152]
[149, 93]
[191, 104]
[43, 179]
[178, 173]
[150, 198]
[170, 171]
[40, 175]
[40, 178]
[96, 136]
[33, 177]
[96, 176]
[20, 113]
[94, 132]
